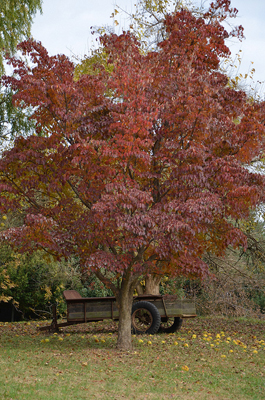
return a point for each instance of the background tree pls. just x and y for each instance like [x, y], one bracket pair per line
[238, 288]
[14, 121]
[36, 281]
[15, 22]
[6, 283]
[140, 171]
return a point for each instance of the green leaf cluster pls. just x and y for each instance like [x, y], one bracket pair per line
[91, 65]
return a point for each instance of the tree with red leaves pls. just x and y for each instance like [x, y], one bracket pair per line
[140, 170]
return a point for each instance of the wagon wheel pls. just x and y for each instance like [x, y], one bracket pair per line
[145, 318]
[171, 325]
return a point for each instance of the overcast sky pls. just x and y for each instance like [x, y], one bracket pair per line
[64, 27]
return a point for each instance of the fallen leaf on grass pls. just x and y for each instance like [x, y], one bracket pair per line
[185, 368]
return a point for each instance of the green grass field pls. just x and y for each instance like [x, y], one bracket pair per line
[209, 358]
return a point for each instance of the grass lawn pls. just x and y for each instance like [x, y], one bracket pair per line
[209, 358]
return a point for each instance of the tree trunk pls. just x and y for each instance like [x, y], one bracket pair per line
[140, 289]
[125, 301]
[152, 284]
[124, 298]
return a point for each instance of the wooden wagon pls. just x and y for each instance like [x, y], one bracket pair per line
[150, 313]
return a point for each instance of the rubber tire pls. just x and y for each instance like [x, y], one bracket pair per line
[155, 315]
[173, 328]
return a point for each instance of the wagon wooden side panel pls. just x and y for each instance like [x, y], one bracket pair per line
[91, 310]
[171, 306]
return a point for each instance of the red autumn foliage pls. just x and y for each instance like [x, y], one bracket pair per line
[141, 170]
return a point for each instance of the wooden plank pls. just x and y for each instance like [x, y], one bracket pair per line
[180, 307]
[74, 299]
[99, 309]
[188, 307]
[175, 307]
